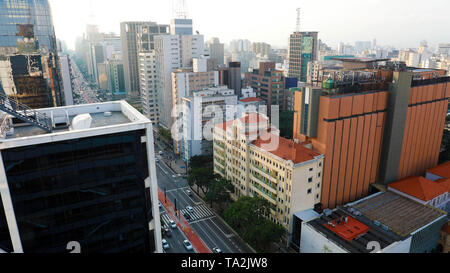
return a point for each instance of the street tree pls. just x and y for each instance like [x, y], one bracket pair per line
[219, 191]
[201, 177]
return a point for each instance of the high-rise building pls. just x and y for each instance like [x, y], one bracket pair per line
[137, 37]
[173, 52]
[375, 124]
[185, 82]
[148, 82]
[260, 48]
[363, 45]
[91, 181]
[116, 79]
[205, 109]
[231, 77]
[268, 83]
[181, 26]
[216, 50]
[303, 49]
[29, 64]
[262, 164]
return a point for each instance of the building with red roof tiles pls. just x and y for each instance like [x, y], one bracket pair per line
[260, 163]
[251, 100]
[439, 172]
[423, 190]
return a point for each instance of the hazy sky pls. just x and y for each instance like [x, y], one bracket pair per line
[401, 23]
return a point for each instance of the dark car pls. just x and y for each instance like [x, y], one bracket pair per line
[168, 233]
[187, 216]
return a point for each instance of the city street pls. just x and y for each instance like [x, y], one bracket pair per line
[210, 228]
[82, 88]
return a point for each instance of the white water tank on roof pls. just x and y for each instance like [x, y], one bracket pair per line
[82, 122]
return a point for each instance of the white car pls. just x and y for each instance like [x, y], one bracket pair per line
[165, 244]
[172, 224]
[190, 209]
[159, 204]
[187, 245]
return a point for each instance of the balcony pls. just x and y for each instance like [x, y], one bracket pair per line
[220, 170]
[271, 197]
[219, 153]
[270, 173]
[263, 180]
[221, 162]
[221, 145]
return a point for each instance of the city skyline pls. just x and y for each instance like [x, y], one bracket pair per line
[385, 21]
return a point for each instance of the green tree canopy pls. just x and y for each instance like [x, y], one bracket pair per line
[248, 217]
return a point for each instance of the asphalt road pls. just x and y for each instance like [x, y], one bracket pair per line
[81, 87]
[210, 228]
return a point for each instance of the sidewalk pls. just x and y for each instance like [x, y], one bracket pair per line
[196, 242]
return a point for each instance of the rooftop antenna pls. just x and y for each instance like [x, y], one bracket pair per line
[180, 9]
[91, 14]
[298, 20]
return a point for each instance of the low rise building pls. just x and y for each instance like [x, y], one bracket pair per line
[260, 163]
[381, 223]
[424, 191]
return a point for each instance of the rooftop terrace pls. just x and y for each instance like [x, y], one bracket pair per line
[385, 218]
[107, 116]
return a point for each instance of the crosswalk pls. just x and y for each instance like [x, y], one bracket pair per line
[200, 212]
[165, 220]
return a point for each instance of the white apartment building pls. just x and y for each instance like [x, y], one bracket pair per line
[148, 85]
[203, 110]
[173, 52]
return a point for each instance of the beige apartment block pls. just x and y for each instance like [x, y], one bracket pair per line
[260, 163]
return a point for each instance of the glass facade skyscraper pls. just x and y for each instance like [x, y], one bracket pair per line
[23, 12]
[29, 64]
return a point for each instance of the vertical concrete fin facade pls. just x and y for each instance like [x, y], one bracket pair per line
[395, 126]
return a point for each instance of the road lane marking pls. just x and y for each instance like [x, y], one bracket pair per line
[200, 225]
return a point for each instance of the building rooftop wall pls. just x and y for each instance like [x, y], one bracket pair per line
[401, 215]
[390, 218]
[356, 244]
[124, 117]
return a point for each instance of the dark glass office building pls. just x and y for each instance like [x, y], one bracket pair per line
[86, 190]
[69, 187]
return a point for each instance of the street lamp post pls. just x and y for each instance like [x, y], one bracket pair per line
[165, 194]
